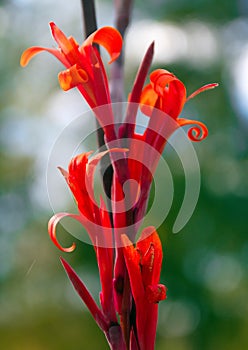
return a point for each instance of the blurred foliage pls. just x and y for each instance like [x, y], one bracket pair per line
[202, 9]
[205, 265]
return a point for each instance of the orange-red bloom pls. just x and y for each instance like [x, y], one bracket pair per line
[95, 219]
[167, 93]
[85, 69]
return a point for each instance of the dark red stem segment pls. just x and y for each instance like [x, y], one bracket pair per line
[129, 122]
[90, 25]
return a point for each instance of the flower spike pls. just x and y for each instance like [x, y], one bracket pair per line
[129, 269]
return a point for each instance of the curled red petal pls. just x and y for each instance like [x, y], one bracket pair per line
[196, 133]
[160, 78]
[148, 100]
[171, 92]
[109, 38]
[72, 77]
[52, 225]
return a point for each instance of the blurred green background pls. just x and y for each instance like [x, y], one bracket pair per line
[205, 265]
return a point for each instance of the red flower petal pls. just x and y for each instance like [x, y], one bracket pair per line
[132, 259]
[166, 92]
[72, 77]
[150, 249]
[197, 132]
[155, 293]
[68, 45]
[160, 78]
[148, 100]
[33, 51]
[52, 225]
[109, 38]
[127, 129]
[203, 88]
[85, 296]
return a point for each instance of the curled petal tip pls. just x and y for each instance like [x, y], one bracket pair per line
[72, 77]
[110, 39]
[52, 225]
[29, 54]
[69, 249]
[196, 133]
[23, 60]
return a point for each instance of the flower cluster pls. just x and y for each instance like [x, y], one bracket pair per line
[129, 269]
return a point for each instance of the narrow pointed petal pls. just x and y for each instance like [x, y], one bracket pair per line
[85, 296]
[63, 172]
[141, 75]
[127, 129]
[132, 259]
[196, 133]
[77, 183]
[109, 38]
[33, 51]
[203, 88]
[61, 39]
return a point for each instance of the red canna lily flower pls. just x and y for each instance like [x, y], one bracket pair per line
[167, 93]
[85, 69]
[162, 100]
[144, 265]
[80, 179]
[129, 273]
